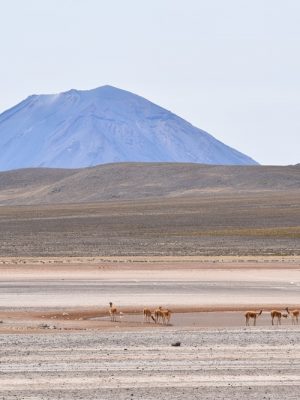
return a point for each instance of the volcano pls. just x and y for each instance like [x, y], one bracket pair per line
[83, 128]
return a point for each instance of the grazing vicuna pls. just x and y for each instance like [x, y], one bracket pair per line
[148, 315]
[294, 314]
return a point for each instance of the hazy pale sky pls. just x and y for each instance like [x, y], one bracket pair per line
[230, 67]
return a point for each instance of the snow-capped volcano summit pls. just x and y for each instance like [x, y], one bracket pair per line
[104, 125]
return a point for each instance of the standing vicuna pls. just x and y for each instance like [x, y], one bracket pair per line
[159, 315]
[252, 315]
[294, 314]
[277, 314]
[167, 316]
[162, 315]
[148, 315]
[112, 312]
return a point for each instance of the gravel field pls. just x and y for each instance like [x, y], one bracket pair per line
[254, 363]
[217, 224]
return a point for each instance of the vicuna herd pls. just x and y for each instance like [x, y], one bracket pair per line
[159, 315]
[163, 316]
[275, 315]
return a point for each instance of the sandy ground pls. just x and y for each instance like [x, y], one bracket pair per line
[57, 341]
[74, 294]
[131, 286]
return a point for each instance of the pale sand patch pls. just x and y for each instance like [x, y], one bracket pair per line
[187, 285]
[83, 291]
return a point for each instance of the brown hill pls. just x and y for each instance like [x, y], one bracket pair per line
[127, 181]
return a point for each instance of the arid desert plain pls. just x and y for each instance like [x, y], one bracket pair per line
[208, 257]
[57, 340]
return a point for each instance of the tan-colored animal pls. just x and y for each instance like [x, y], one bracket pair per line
[112, 312]
[148, 315]
[278, 315]
[166, 316]
[159, 315]
[294, 314]
[252, 315]
[162, 315]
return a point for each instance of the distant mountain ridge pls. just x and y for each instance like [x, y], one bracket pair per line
[132, 181]
[78, 129]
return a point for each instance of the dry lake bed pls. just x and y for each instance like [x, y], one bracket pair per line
[57, 340]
